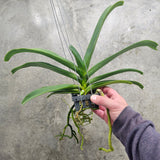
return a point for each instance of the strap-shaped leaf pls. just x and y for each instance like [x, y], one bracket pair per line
[108, 82]
[102, 63]
[103, 76]
[93, 41]
[47, 66]
[44, 52]
[76, 91]
[47, 89]
[77, 57]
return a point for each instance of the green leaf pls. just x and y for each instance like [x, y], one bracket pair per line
[47, 89]
[47, 66]
[77, 57]
[76, 91]
[102, 63]
[108, 82]
[93, 41]
[100, 77]
[44, 52]
[138, 84]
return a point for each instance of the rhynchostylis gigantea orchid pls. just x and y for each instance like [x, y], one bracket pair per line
[81, 72]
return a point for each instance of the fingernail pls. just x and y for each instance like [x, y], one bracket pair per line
[93, 97]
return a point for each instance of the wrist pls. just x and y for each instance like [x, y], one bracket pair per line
[125, 123]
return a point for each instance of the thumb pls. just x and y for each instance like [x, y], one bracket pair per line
[102, 101]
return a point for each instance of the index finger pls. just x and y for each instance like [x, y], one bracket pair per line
[109, 92]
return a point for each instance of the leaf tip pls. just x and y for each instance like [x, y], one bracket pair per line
[120, 3]
[13, 71]
[6, 58]
[23, 102]
[8, 55]
[152, 44]
[141, 86]
[141, 72]
[157, 47]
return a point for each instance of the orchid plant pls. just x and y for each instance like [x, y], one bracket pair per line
[81, 72]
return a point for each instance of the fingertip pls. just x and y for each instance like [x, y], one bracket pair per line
[93, 98]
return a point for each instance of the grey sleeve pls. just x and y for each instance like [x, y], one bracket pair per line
[139, 136]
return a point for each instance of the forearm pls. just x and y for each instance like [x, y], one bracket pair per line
[137, 135]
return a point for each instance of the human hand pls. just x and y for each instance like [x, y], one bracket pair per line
[111, 100]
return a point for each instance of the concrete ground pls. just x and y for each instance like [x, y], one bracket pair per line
[27, 132]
